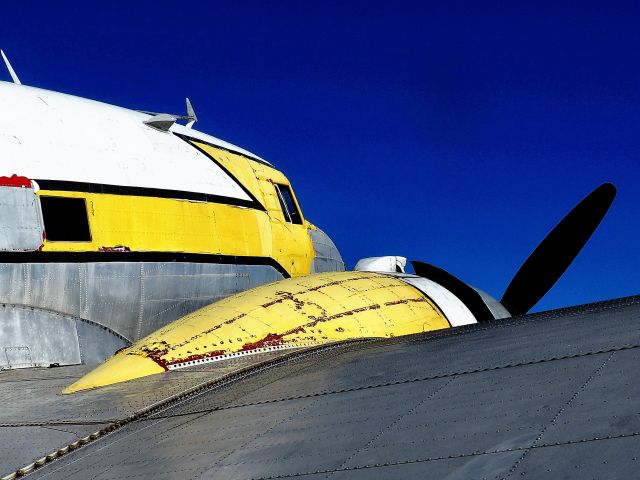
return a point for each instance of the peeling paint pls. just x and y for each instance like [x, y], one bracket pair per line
[117, 248]
[191, 358]
[156, 351]
[405, 301]
[271, 340]
[311, 310]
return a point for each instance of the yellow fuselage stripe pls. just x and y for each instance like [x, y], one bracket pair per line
[171, 225]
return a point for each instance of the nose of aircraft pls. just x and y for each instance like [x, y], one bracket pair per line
[327, 257]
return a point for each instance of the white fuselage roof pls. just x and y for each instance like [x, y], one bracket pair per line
[53, 136]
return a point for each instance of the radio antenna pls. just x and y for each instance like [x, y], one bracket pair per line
[12, 72]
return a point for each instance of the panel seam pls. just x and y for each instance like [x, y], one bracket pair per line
[555, 418]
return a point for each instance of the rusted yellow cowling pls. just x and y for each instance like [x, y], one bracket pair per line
[292, 313]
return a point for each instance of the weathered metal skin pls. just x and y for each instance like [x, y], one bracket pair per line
[129, 299]
[328, 258]
[497, 309]
[133, 299]
[21, 228]
[31, 337]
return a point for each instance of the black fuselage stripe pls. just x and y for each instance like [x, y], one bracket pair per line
[219, 147]
[85, 187]
[192, 143]
[138, 257]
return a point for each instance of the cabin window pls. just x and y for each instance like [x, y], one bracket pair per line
[65, 219]
[288, 205]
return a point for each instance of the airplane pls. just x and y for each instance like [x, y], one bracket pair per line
[117, 222]
[371, 302]
[299, 368]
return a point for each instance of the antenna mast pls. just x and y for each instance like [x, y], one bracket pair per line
[12, 72]
[191, 117]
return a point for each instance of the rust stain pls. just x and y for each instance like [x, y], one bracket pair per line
[317, 320]
[190, 358]
[117, 248]
[291, 295]
[275, 339]
[208, 331]
[335, 282]
[156, 351]
[405, 301]
[285, 296]
[271, 340]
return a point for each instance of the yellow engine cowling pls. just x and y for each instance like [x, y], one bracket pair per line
[291, 313]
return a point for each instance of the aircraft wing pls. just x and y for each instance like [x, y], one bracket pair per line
[548, 395]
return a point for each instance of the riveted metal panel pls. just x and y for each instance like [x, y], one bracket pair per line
[35, 420]
[31, 337]
[96, 343]
[294, 313]
[130, 298]
[110, 294]
[540, 396]
[328, 258]
[54, 286]
[20, 220]
[172, 290]
[20, 442]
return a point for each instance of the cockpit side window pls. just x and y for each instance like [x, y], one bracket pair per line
[65, 219]
[288, 205]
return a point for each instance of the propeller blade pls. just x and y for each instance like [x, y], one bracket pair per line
[467, 295]
[560, 247]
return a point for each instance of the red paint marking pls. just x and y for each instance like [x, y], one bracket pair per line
[191, 358]
[15, 181]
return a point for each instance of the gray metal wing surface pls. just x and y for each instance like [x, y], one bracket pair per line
[550, 395]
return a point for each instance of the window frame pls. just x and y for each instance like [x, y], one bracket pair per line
[86, 212]
[289, 218]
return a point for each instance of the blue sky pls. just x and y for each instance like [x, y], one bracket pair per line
[457, 133]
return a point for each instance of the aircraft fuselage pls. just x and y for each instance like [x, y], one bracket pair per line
[113, 228]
